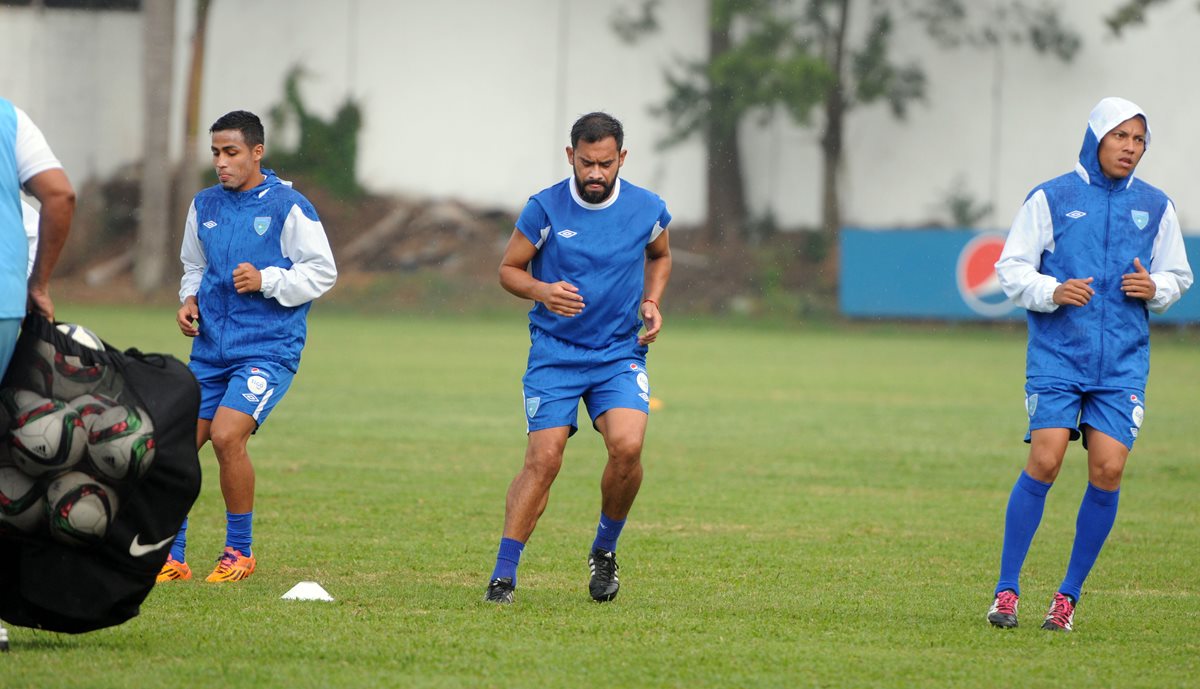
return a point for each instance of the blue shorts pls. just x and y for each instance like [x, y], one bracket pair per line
[559, 374]
[1054, 403]
[253, 389]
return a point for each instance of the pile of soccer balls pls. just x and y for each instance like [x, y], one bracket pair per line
[68, 447]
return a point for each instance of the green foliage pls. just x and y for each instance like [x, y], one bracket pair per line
[877, 78]
[327, 152]
[630, 27]
[821, 508]
[950, 24]
[786, 53]
[768, 65]
[961, 206]
[1132, 12]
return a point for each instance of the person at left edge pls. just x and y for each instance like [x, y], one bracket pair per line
[27, 162]
[255, 256]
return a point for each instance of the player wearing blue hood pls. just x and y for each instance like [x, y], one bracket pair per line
[1089, 255]
[255, 256]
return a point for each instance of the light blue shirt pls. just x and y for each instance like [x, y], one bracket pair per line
[14, 249]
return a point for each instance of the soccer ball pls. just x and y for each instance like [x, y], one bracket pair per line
[47, 435]
[72, 377]
[22, 502]
[90, 404]
[65, 376]
[120, 439]
[82, 335]
[39, 376]
[80, 508]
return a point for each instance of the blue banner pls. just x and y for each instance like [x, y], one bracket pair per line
[945, 274]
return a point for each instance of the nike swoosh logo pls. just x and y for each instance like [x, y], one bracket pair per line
[138, 549]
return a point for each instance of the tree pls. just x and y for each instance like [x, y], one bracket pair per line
[187, 182]
[768, 56]
[753, 73]
[1131, 12]
[150, 256]
[327, 152]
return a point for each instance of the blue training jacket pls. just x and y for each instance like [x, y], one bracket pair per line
[1085, 224]
[274, 228]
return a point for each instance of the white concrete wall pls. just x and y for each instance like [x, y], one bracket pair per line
[474, 98]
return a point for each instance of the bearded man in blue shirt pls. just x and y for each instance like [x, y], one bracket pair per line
[593, 253]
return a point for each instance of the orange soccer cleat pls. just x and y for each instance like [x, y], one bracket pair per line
[232, 566]
[173, 570]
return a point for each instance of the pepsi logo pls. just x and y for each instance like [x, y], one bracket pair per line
[976, 276]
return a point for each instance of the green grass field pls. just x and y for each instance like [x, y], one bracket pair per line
[822, 508]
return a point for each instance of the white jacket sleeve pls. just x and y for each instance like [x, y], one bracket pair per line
[1032, 234]
[1169, 267]
[191, 254]
[313, 272]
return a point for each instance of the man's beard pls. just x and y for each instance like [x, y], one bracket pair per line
[594, 196]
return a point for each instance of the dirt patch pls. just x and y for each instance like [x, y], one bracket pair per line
[405, 253]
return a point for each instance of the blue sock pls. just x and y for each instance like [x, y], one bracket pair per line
[238, 531]
[1021, 520]
[180, 544]
[1097, 513]
[507, 559]
[607, 533]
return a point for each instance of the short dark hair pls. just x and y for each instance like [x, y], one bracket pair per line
[245, 122]
[597, 126]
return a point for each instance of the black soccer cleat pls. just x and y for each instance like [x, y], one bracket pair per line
[1004, 610]
[604, 583]
[500, 591]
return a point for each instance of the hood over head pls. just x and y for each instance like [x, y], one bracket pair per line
[1107, 114]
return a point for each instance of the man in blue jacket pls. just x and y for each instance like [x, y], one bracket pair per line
[255, 256]
[1089, 254]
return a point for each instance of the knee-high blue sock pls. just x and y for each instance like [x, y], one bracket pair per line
[180, 544]
[239, 529]
[1021, 520]
[607, 533]
[1097, 513]
[507, 559]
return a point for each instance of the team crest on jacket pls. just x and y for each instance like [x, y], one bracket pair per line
[261, 224]
[1140, 218]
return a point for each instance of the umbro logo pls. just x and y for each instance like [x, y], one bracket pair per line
[210, 224]
[1075, 215]
[250, 397]
[567, 234]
